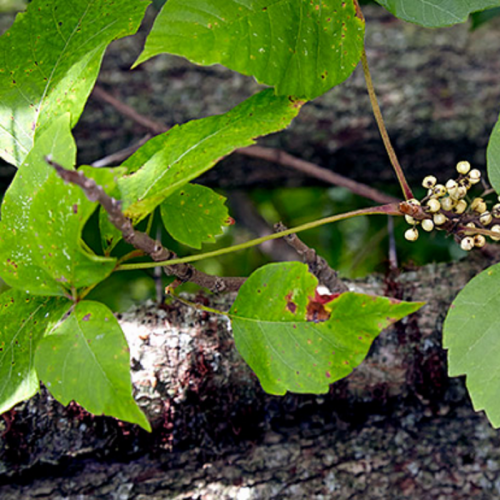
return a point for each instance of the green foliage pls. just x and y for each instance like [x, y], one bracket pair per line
[169, 161]
[42, 219]
[295, 343]
[23, 321]
[86, 359]
[470, 334]
[436, 13]
[194, 215]
[480, 18]
[493, 157]
[52, 55]
[301, 48]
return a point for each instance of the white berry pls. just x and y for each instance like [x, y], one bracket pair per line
[485, 218]
[434, 205]
[467, 243]
[463, 167]
[461, 206]
[440, 219]
[412, 234]
[429, 181]
[427, 225]
[474, 176]
[479, 241]
[495, 229]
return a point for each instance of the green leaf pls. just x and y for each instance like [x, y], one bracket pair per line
[194, 215]
[169, 161]
[50, 61]
[42, 219]
[471, 335]
[301, 48]
[86, 359]
[493, 157]
[23, 322]
[436, 13]
[275, 330]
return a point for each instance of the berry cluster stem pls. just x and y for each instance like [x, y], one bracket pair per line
[383, 131]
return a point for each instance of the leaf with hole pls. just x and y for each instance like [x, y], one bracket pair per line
[294, 342]
[42, 218]
[471, 335]
[436, 13]
[301, 48]
[194, 215]
[169, 161]
[86, 359]
[50, 60]
[24, 319]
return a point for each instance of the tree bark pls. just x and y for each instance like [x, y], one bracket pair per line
[397, 427]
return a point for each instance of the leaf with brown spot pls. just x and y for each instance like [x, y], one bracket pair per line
[304, 351]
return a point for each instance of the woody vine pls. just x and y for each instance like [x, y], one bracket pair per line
[292, 336]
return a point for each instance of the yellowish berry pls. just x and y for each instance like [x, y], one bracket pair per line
[427, 225]
[439, 219]
[429, 181]
[413, 201]
[463, 167]
[412, 234]
[485, 218]
[451, 184]
[495, 210]
[433, 205]
[472, 226]
[478, 205]
[410, 220]
[495, 229]
[479, 241]
[448, 203]
[461, 206]
[474, 176]
[439, 190]
[467, 243]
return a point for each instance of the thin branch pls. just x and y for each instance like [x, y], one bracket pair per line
[317, 264]
[126, 110]
[287, 160]
[120, 156]
[383, 131]
[269, 154]
[142, 241]
[389, 209]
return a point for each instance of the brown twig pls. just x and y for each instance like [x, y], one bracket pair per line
[269, 154]
[317, 265]
[142, 241]
[287, 160]
[120, 156]
[126, 110]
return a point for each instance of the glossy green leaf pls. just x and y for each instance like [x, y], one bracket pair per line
[23, 322]
[169, 161]
[49, 63]
[294, 343]
[194, 215]
[436, 13]
[301, 48]
[471, 335]
[86, 359]
[480, 18]
[493, 158]
[42, 218]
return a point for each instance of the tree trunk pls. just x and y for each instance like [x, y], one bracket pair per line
[397, 427]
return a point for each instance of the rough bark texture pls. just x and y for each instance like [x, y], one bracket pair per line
[397, 427]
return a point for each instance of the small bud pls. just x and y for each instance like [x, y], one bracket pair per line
[495, 229]
[474, 176]
[466, 183]
[410, 220]
[479, 241]
[412, 234]
[429, 181]
[485, 218]
[463, 167]
[478, 205]
[439, 190]
[467, 243]
[472, 226]
[440, 219]
[427, 225]
[433, 205]
[460, 207]
[447, 203]
[495, 211]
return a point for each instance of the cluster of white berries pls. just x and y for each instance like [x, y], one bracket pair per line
[445, 207]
